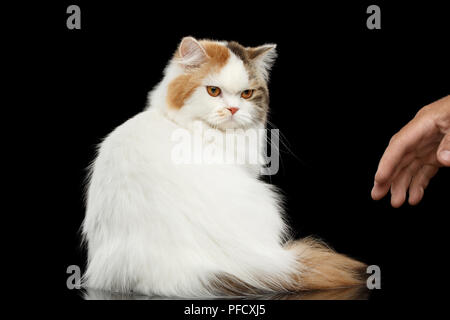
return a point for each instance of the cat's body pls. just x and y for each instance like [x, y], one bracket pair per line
[158, 227]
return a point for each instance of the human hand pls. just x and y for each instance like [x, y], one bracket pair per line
[414, 155]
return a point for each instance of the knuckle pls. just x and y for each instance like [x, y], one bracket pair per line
[393, 138]
[446, 139]
[423, 111]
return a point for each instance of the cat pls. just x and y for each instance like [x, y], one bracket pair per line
[157, 227]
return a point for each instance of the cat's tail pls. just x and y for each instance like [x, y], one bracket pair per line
[317, 267]
[320, 267]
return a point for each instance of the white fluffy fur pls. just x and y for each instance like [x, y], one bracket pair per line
[159, 228]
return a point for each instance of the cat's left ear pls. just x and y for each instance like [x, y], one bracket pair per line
[264, 57]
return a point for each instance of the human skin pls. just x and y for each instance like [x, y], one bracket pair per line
[414, 155]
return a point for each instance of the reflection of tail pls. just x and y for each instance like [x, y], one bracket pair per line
[318, 268]
[350, 293]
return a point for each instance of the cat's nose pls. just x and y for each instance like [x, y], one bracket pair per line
[233, 110]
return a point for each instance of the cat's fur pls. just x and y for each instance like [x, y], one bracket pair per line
[160, 228]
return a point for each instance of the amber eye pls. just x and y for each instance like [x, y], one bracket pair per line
[247, 94]
[213, 91]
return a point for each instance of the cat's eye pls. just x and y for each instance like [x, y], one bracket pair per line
[247, 94]
[213, 91]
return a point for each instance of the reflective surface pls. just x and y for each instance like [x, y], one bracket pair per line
[354, 293]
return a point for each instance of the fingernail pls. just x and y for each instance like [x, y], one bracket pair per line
[445, 154]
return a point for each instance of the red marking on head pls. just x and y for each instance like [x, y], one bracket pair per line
[182, 87]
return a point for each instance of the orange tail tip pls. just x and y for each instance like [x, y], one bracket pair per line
[322, 268]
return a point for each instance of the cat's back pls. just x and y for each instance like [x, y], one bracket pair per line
[142, 134]
[134, 156]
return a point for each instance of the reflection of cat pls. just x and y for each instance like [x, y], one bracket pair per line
[350, 293]
[158, 228]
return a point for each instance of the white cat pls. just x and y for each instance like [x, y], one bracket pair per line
[158, 227]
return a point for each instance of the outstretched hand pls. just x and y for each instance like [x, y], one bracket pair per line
[414, 155]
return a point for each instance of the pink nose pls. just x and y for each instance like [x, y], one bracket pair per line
[233, 110]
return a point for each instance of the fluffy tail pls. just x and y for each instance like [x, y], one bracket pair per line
[318, 268]
[322, 268]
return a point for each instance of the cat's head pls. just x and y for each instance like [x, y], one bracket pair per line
[221, 83]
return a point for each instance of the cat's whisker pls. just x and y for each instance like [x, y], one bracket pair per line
[285, 142]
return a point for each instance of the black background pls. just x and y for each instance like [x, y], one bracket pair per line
[338, 93]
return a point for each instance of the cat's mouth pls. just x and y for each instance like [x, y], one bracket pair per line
[230, 123]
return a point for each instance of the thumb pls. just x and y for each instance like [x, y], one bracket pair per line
[443, 152]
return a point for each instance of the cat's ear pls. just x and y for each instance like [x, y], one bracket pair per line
[264, 57]
[191, 53]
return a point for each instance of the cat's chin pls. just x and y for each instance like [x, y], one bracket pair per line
[230, 125]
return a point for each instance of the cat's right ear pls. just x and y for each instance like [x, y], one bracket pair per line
[191, 53]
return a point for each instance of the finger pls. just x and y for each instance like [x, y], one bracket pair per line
[379, 190]
[425, 153]
[405, 162]
[402, 142]
[443, 153]
[401, 183]
[420, 182]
